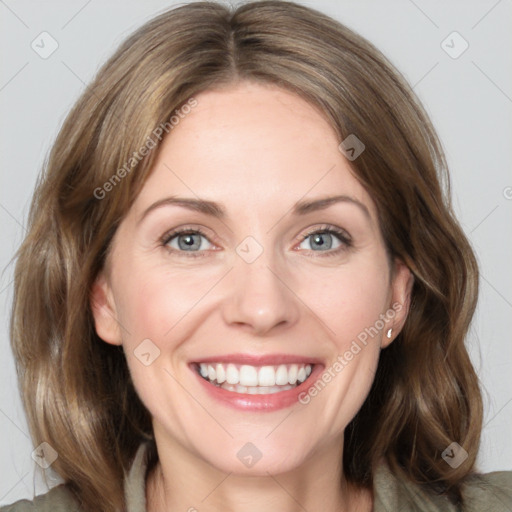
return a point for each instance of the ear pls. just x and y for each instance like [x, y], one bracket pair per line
[400, 301]
[104, 311]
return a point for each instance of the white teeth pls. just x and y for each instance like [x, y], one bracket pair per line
[221, 374]
[255, 390]
[282, 375]
[253, 378]
[248, 375]
[232, 376]
[267, 376]
[292, 374]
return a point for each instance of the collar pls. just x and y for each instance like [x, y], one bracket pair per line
[390, 493]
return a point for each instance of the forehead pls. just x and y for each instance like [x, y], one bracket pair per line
[251, 146]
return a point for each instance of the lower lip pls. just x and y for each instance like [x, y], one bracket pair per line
[270, 402]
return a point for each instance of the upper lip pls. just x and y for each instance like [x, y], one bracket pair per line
[259, 359]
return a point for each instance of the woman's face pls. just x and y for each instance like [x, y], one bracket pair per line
[269, 284]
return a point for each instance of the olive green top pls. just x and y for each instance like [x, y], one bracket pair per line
[490, 492]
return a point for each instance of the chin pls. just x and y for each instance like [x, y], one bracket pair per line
[258, 458]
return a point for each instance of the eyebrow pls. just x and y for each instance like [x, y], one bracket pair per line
[215, 210]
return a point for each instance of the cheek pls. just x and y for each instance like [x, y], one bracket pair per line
[155, 298]
[156, 309]
[348, 299]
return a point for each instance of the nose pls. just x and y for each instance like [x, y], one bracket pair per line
[259, 298]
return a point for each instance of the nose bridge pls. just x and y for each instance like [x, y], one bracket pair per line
[257, 294]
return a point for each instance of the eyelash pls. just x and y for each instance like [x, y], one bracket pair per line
[183, 231]
[344, 238]
[342, 235]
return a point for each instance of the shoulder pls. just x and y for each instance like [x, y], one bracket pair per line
[57, 499]
[488, 491]
[61, 499]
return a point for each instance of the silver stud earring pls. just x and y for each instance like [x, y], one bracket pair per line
[389, 333]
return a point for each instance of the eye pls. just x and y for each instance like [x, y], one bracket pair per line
[330, 240]
[186, 240]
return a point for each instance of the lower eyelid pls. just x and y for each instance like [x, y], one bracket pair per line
[343, 248]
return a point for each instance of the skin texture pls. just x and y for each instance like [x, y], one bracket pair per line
[257, 150]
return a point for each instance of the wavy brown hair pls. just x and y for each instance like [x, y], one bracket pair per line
[77, 390]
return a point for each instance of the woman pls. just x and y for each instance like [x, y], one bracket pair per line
[248, 282]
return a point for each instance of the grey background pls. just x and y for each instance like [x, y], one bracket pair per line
[468, 98]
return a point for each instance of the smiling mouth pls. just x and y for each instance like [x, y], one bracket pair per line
[254, 380]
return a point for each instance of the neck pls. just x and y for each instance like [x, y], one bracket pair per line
[181, 481]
